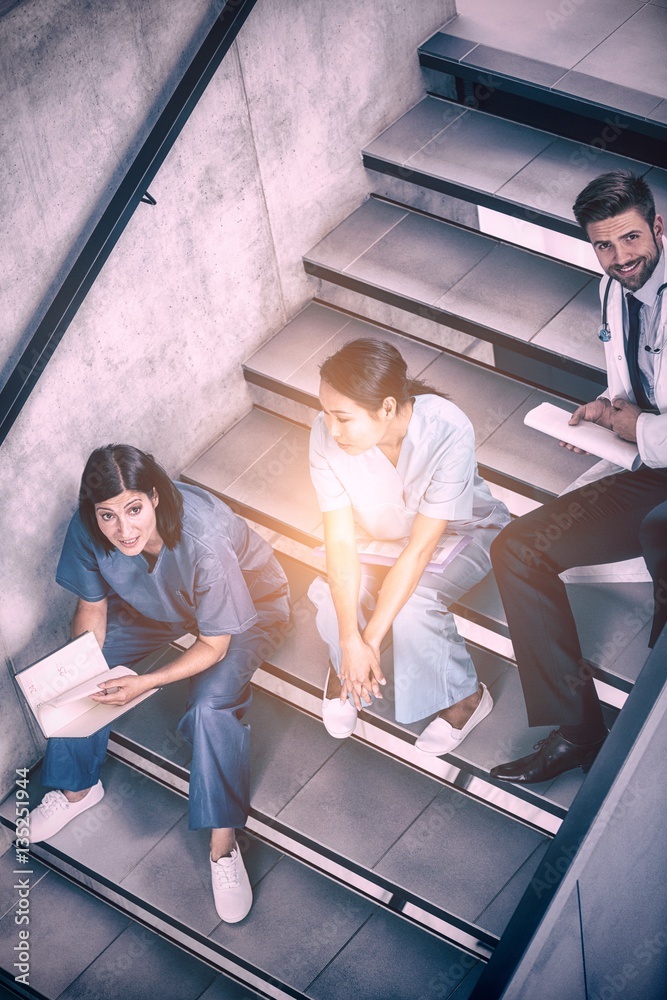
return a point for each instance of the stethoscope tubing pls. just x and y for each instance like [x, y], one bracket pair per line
[604, 333]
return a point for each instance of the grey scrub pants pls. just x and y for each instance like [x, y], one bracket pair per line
[218, 699]
[432, 667]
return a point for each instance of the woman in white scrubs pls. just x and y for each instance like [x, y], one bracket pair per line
[392, 460]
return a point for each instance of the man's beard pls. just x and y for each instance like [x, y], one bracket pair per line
[633, 282]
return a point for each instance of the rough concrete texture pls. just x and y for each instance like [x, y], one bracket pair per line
[322, 80]
[268, 163]
[82, 83]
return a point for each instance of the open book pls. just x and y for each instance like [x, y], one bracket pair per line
[58, 689]
[597, 440]
[377, 553]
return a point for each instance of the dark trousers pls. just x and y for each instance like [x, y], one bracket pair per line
[615, 518]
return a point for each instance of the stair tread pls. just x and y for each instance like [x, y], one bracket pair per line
[522, 28]
[369, 809]
[439, 844]
[113, 953]
[495, 403]
[383, 961]
[555, 178]
[602, 51]
[294, 354]
[276, 477]
[495, 291]
[533, 173]
[300, 919]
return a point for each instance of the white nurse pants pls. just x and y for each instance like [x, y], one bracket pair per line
[432, 667]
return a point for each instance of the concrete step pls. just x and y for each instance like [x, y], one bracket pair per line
[260, 467]
[593, 61]
[525, 172]
[306, 934]
[82, 946]
[543, 311]
[295, 671]
[370, 820]
[509, 453]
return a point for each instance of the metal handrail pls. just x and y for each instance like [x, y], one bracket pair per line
[116, 216]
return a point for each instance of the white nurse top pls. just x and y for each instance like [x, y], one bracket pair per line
[436, 475]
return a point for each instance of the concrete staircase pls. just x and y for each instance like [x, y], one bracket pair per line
[377, 872]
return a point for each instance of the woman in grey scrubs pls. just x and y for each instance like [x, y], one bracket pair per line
[392, 460]
[150, 560]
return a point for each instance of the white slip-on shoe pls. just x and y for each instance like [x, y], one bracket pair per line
[339, 719]
[440, 737]
[231, 887]
[55, 811]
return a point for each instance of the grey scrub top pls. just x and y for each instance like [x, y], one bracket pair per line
[436, 475]
[208, 582]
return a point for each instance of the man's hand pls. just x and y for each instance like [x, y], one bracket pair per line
[123, 689]
[596, 412]
[360, 671]
[624, 419]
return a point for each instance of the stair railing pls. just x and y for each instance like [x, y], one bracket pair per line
[132, 190]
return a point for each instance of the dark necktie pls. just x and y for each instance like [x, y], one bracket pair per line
[634, 308]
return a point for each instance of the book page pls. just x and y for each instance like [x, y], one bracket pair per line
[75, 662]
[392, 549]
[98, 717]
[385, 553]
[90, 687]
[58, 689]
[600, 441]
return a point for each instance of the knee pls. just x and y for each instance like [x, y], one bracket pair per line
[211, 708]
[319, 593]
[509, 542]
[653, 533]
[212, 703]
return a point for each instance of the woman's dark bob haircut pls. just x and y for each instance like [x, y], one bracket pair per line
[118, 467]
[369, 371]
[612, 193]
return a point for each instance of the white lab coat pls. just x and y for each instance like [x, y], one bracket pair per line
[651, 428]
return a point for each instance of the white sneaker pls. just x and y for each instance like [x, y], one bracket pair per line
[55, 811]
[339, 719]
[231, 887]
[440, 737]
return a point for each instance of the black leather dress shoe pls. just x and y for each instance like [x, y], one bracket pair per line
[554, 755]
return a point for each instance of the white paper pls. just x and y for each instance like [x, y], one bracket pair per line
[91, 687]
[385, 553]
[600, 441]
[48, 684]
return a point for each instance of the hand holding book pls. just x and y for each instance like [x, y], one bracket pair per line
[65, 689]
[123, 690]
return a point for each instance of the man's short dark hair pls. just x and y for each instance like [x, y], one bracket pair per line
[613, 193]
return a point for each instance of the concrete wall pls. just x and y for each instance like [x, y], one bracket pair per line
[267, 164]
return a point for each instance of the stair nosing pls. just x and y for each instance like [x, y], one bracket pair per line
[343, 862]
[548, 94]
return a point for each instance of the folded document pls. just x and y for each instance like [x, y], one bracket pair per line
[590, 437]
[386, 553]
[58, 689]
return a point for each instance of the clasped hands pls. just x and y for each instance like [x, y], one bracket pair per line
[619, 416]
[360, 671]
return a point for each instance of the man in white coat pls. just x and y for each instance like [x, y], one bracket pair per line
[621, 516]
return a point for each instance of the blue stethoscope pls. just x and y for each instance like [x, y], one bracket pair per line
[604, 333]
